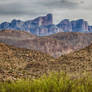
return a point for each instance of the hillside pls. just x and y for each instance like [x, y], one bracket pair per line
[75, 63]
[78, 61]
[16, 35]
[74, 40]
[23, 63]
[54, 45]
[14, 60]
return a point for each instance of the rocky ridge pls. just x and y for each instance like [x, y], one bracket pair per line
[44, 26]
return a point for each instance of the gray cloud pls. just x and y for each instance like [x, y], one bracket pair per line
[17, 8]
[11, 9]
[32, 8]
[62, 4]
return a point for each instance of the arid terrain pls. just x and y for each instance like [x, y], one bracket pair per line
[45, 45]
[18, 63]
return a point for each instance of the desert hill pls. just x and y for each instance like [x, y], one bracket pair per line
[78, 61]
[14, 60]
[75, 63]
[24, 63]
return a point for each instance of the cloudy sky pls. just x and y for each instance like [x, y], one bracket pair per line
[61, 9]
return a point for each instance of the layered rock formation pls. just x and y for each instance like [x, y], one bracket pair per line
[40, 26]
[80, 26]
[44, 26]
[65, 25]
[90, 28]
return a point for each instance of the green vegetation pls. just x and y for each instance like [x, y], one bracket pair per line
[55, 82]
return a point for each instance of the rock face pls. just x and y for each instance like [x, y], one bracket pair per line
[90, 28]
[74, 26]
[44, 26]
[65, 25]
[44, 20]
[80, 26]
[41, 26]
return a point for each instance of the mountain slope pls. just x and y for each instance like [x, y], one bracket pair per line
[78, 61]
[14, 61]
[74, 40]
[23, 63]
[54, 45]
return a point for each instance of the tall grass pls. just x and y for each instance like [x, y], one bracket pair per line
[55, 82]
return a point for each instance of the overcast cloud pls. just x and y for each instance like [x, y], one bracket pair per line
[29, 9]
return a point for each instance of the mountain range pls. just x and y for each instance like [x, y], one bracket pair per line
[28, 49]
[54, 45]
[44, 26]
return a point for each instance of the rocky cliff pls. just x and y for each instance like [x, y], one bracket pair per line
[44, 26]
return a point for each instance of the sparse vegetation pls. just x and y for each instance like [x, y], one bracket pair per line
[55, 82]
[21, 71]
[16, 63]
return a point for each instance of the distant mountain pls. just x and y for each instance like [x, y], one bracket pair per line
[44, 26]
[54, 45]
[40, 26]
[74, 26]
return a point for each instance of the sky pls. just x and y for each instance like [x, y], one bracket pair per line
[61, 9]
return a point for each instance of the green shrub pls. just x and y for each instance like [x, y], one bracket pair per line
[54, 82]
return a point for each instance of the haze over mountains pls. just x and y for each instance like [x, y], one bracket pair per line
[44, 26]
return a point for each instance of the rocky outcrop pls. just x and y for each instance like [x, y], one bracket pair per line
[38, 26]
[44, 20]
[80, 26]
[74, 26]
[65, 25]
[90, 28]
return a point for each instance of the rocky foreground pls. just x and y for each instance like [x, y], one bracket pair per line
[18, 63]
